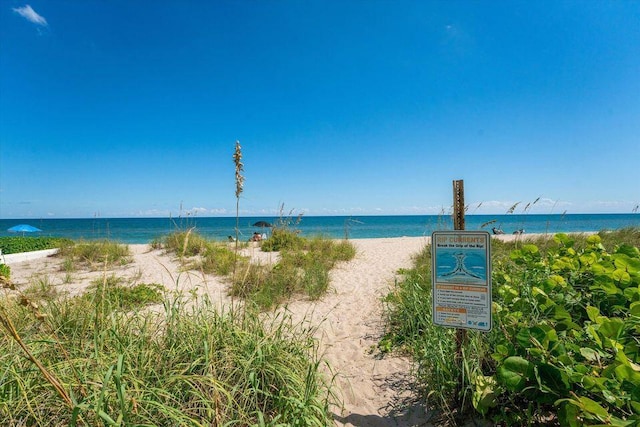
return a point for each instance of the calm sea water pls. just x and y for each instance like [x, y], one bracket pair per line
[144, 230]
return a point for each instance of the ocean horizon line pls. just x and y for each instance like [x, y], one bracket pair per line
[146, 230]
[275, 216]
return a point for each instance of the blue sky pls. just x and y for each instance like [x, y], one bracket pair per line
[131, 108]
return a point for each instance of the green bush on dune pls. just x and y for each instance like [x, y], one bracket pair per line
[564, 349]
[18, 244]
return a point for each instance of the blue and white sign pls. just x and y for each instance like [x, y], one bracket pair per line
[461, 279]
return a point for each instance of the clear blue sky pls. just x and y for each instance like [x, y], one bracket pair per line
[125, 108]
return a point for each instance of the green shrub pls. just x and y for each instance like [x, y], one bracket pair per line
[564, 348]
[215, 257]
[282, 239]
[303, 268]
[18, 244]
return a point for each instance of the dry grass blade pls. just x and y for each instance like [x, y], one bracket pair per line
[8, 325]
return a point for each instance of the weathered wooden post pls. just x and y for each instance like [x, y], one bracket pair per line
[461, 280]
[461, 334]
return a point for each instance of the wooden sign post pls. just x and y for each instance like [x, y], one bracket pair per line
[461, 280]
[461, 334]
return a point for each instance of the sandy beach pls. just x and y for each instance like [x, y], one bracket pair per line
[374, 390]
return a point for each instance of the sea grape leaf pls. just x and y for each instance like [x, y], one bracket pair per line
[594, 239]
[628, 250]
[553, 379]
[588, 259]
[560, 313]
[593, 313]
[563, 239]
[593, 407]
[606, 284]
[611, 328]
[627, 263]
[568, 415]
[515, 372]
[542, 335]
[632, 293]
[554, 281]
[484, 396]
[591, 331]
[589, 354]
[626, 372]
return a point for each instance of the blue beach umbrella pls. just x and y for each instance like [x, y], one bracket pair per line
[23, 228]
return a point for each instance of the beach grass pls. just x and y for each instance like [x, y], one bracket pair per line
[104, 358]
[94, 255]
[303, 269]
[198, 253]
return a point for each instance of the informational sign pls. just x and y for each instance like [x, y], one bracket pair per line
[461, 279]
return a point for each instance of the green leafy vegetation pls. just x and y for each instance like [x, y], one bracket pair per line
[18, 244]
[283, 239]
[565, 346]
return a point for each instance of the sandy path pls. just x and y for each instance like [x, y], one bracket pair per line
[350, 317]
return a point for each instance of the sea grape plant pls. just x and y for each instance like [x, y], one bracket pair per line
[566, 341]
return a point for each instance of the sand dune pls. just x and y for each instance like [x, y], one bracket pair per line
[375, 391]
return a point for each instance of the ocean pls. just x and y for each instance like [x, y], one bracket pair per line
[145, 230]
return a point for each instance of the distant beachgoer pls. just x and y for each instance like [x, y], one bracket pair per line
[231, 238]
[521, 231]
[256, 237]
[497, 231]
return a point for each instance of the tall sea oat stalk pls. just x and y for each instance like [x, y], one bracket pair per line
[237, 159]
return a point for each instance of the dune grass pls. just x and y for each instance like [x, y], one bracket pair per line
[103, 359]
[198, 253]
[94, 255]
[303, 269]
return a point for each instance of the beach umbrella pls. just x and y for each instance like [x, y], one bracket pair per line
[23, 228]
[262, 224]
